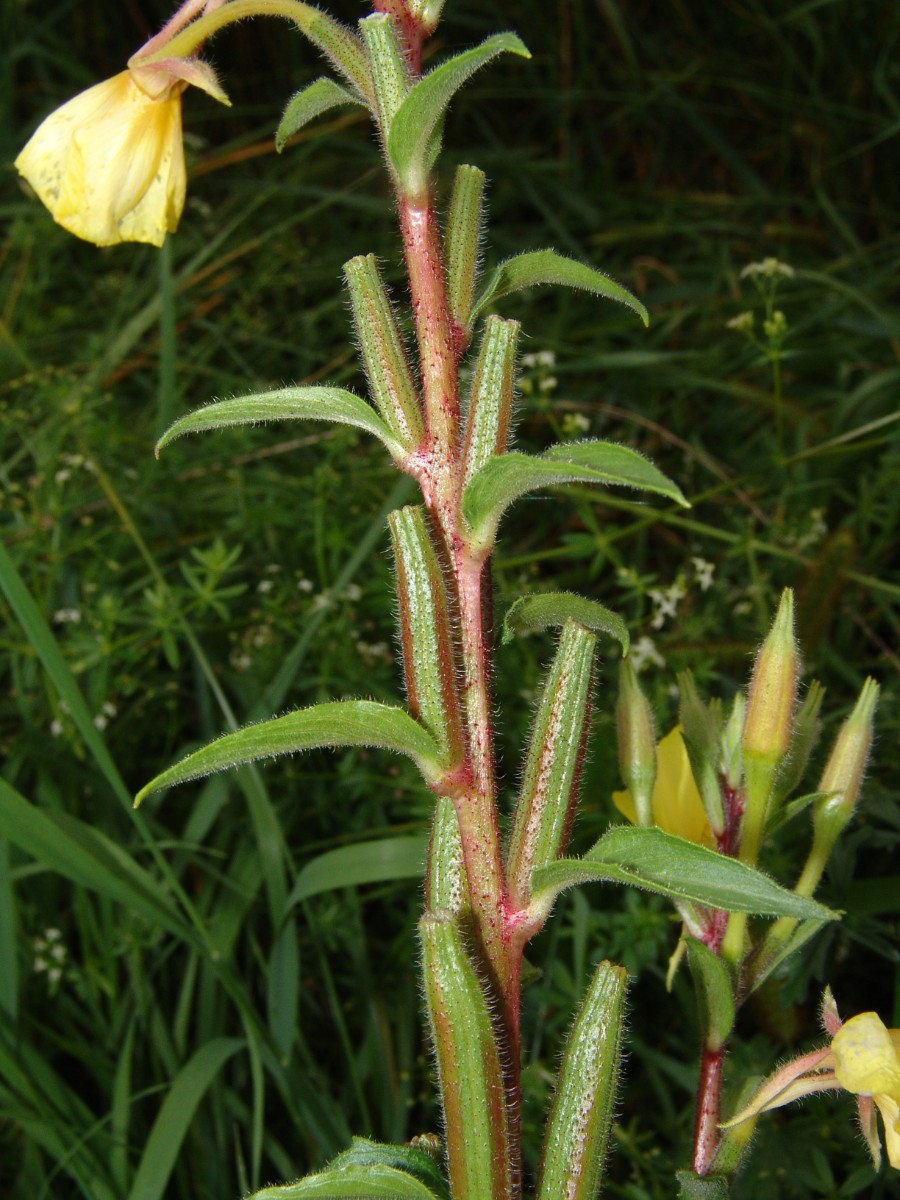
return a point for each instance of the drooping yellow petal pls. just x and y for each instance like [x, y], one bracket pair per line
[866, 1059]
[890, 1114]
[677, 807]
[109, 164]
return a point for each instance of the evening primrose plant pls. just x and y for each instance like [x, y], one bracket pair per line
[700, 804]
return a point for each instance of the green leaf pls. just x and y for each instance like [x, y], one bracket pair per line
[546, 266]
[81, 853]
[287, 404]
[379, 861]
[701, 1187]
[531, 613]
[715, 993]
[412, 1160]
[353, 1183]
[340, 723]
[309, 103]
[671, 866]
[174, 1118]
[506, 477]
[414, 138]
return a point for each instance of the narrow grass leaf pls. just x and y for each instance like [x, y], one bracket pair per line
[310, 102]
[537, 267]
[283, 988]
[529, 614]
[9, 976]
[339, 723]
[414, 137]
[381, 861]
[506, 477]
[287, 404]
[87, 857]
[670, 866]
[174, 1118]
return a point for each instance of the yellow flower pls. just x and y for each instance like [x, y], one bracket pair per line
[867, 1063]
[677, 807]
[863, 1058]
[109, 164]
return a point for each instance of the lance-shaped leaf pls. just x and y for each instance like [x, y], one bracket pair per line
[671, 866]
[287, 404]
[715, 994]
[387, 65]
[701, 729]
[412, 1159]
[462, 242]
[506, 477]
[491, 395]
[428, 664]
[414, 138]
[546, 266]
[445, 875]
[383, 352]
[375, 1182]
[310, 102]
[546, 805]
[529, 614]
[578, 1127]
[340, 723]
[471, 1078]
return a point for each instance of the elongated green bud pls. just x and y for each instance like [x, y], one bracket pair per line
[425, 630]
[383, 353]
[844, 771]
[637, 742]
[445, 877]
[390, 74]
[549, 792]
[491, 397]
[462, 242]
[701, 731]
[580, 1119]
[769, 722]
[476, 1130]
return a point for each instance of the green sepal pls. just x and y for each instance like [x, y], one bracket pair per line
[671, 866]
[414, 138]
[529, 614]
[287, 404]
[581, 1114]
[446, 887]
[469, 1068]
[804, 737]
[425, 635]
[309, 103]
[769, 958]
[714, 987]
[782, 816]
[383, 351]
[506, 477]
[702, 1187]
[387, 65]
[375, 1182]
[462, 242]
[491, 395]
[339, 723]
[340, 45]
[546, 266]
[701, 732]
[549, 792]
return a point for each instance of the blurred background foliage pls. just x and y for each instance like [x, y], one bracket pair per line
[202, 951]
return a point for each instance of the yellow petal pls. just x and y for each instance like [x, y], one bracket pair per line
[677, 807]
[890, 1114]
[109, 164]
[866, 1059]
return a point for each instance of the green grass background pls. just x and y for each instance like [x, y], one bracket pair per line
[214, 1013]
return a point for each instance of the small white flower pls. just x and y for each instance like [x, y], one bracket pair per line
[704, 571]
[56, 727]
[264, 585]
[101, 721]
[643, 651]
[66, 616]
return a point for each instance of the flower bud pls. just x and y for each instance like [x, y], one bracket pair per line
[844, 771]
[768, 723]
[637, 742]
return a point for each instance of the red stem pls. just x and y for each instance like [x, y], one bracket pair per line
[706, 1131]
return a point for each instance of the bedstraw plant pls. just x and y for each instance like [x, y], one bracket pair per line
[700, 803]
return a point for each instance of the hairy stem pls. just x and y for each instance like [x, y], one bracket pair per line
[709, 1090]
